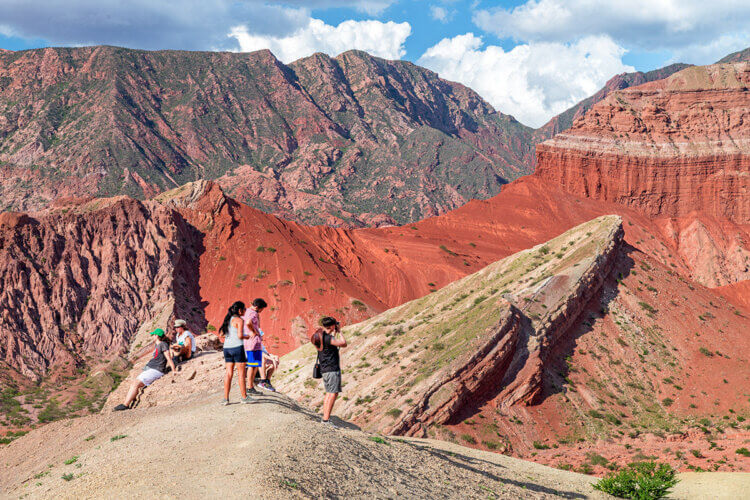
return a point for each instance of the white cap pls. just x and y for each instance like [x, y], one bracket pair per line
[180, 322]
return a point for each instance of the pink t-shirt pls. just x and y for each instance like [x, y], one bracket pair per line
[253, 343]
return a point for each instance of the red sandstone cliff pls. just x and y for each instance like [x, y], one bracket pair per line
[677, 150]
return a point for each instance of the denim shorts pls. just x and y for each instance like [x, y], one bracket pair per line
[235, 355]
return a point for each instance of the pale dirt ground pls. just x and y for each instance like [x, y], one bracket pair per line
[199, 449]
[195, 448]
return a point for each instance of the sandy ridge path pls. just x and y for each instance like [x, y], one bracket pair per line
[198, 449]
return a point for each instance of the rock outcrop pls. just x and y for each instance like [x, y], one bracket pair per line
[486, 336]
[79, 281]
[676, 149]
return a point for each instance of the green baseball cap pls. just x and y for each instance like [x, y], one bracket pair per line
[158, 332]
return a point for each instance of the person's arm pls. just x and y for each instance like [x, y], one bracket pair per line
[239, 324]
[338, 339]
[189, 343]
[252, 328]
[170, 361]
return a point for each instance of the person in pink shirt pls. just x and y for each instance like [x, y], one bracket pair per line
[254, 342]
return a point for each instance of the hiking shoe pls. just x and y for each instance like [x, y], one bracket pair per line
[253, 392]
[224, 402]
[120, 407]
[267, 386]
[246, 400]
[329, 424]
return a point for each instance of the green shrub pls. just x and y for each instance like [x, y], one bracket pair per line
[71, 460]
[667, 401]
[468, 438]
[118, 437]
[639, 480]
[67, 477]
[743, 451]
[540, 446]
[379, 440]
[393, 412]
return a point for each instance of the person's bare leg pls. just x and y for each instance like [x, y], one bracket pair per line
[228, 380]
[328, 404]
[269, 371]
[243, 387]
[133, 391]
[262, 369]
[251, 377]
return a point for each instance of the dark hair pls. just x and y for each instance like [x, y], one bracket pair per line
[260, 303]
[328, 321]
[234, 310]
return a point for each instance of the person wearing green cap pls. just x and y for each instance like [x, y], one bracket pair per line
[154, 369]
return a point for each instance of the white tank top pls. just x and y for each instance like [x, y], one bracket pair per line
[232, 339]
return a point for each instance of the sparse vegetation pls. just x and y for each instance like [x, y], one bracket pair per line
[639, 480]
[118, 437]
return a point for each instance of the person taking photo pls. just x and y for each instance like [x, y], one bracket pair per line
[328, 341]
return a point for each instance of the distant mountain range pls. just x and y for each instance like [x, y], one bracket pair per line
[352, 140]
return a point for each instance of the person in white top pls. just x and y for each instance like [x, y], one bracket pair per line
[184, 348]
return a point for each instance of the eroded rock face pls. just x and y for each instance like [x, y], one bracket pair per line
[77, 282]
[350, 140]
[677, 149]
[667, 148]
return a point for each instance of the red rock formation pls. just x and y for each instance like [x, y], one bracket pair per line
[678, 150]
[78, 281]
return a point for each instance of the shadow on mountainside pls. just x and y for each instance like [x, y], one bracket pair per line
[556, 369]
[185, 282]
[465, 462]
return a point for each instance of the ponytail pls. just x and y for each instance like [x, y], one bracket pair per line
[234, 310]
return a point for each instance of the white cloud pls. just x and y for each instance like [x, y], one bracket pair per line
[150, 24]
[532, 82]
[441, 14]
[380, 39]
[646, 24]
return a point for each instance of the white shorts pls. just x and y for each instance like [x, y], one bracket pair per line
[149, 375]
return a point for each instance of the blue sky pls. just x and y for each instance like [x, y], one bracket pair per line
[529, 58]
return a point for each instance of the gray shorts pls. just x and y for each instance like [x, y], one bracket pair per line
[332, 382]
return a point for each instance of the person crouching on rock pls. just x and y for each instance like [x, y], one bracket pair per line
[253, 341]
[154, 369]
[232, 334]
[184, 348]
[328, 341]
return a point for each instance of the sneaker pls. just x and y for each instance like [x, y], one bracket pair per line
[329, 424]
[253, 392]
[246, 400]
[224, 402]
[266, 385]
[120, 407]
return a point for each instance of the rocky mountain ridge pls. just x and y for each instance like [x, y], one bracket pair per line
[348, 140]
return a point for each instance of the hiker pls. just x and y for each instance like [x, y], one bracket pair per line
[327, 341]
[231, 333]
[154, 369]
[184, 348]
[269, 365]
[253, 341]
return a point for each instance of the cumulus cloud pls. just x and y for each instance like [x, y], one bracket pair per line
[441, 14]
[683, 25]
[378, 38]
[150, 24]
[533, 81]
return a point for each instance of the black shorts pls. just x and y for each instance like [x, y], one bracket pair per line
[235, 355]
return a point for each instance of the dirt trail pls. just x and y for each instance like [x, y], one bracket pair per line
[198, 448]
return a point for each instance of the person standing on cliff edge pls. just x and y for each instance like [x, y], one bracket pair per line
[253, 342]
[327, 341]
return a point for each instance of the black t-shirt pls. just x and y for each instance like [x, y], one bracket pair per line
[159, 361]
[329, 356]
